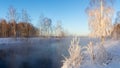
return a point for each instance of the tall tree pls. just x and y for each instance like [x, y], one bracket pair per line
[12, 14]
[26, 19]
[45, 26]
[13, 28]
[41, 27]
[59, 29]
[13, 17]
[100, 14]
[3, 28]
[25, 16]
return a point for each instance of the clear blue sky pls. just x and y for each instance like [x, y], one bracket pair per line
[70, 12]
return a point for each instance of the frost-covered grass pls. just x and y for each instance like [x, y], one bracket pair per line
[75, 55]
[98, 55]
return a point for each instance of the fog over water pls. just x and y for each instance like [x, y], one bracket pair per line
[36, 52]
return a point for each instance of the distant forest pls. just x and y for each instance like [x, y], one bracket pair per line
[13, 29]
[19, 25]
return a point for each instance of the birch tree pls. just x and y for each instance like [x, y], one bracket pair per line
[40, 25]
[25, 16]
[100, 14]
[12, 14]
[26, 19]
[45, 26]
[13, 18]
[59, 29]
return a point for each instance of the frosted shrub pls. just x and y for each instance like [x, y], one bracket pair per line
[75, 56]
[90, 50]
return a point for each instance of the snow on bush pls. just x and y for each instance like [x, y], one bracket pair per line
[90, 50]
[92, 55]
[75, 56]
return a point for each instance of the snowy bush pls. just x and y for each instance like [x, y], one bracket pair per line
[90, 50]
[75, 56]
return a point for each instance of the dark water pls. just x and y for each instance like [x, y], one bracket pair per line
[36, 52]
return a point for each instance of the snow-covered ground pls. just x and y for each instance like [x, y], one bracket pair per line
[103, 57]
[113, 49]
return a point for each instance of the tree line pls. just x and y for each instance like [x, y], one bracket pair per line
[47, 29]
[19, 25]
[13, 29]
